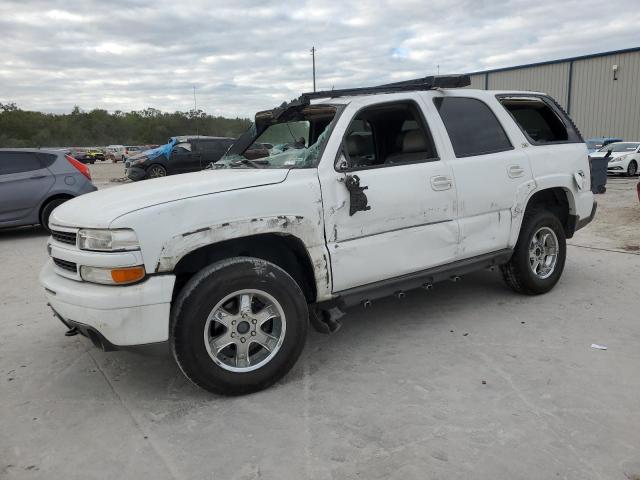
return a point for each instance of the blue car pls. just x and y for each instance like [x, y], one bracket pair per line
[597, 143]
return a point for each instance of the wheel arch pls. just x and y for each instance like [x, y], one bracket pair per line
[50, 198]
[558, 199]
[284, 250]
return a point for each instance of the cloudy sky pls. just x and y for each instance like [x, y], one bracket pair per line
[247, 55]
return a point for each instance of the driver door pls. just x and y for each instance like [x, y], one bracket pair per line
[185, 158]
[402, 217]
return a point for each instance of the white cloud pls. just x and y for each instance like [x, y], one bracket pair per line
[247, 55]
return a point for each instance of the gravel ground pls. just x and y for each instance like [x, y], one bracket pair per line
[467, 381]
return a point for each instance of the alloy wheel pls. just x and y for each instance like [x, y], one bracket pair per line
[245, 330]
[543, 252]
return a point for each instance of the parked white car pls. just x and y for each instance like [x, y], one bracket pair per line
[364, 193]
[116, 153]
[624, 157]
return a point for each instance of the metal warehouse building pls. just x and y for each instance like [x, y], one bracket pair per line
[601, 92]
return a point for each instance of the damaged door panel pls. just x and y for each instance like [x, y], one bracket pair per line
[396, 222]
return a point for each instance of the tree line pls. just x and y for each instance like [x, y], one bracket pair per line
[22, 128]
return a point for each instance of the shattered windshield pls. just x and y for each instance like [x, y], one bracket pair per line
[295, 140]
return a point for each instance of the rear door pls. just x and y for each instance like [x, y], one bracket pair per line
[212, 149]
[489, 171]
[24, 183]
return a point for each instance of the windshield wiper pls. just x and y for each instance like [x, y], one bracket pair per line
[252, 163]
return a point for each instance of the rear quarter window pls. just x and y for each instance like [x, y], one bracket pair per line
[472, 126]
[536, 119]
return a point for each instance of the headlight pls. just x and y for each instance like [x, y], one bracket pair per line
[107, 240]
[112, 276]
[137, 160]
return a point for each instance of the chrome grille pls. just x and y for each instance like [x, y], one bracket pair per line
[64, 237]
[65, 265]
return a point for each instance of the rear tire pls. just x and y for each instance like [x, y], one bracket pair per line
[209, 322]
[539, 257]
[48, 209]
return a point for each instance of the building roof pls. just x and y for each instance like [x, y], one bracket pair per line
[562, 60]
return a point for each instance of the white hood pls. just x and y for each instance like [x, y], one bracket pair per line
[99, 209]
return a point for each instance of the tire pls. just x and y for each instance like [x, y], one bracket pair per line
[197, 338]
[518, 272]
[156, 171]
[47, 209]
[632, 168]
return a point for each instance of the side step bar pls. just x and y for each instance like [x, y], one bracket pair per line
[424, 279]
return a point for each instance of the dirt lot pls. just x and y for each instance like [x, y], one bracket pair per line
[467, 381]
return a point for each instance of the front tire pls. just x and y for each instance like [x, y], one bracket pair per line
[632, 168]
[238, 326]
[539, 257]
[156, 171]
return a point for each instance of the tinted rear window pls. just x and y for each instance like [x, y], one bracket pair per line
[17, 162]
[472, 126]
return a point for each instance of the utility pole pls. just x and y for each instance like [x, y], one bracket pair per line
[313, 59]
[438, 69]
[195, 109]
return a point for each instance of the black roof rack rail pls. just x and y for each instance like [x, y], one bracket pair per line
[426, 83]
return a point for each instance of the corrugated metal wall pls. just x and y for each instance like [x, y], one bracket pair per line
[599, 104]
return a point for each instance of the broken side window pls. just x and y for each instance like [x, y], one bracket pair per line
[536, 119]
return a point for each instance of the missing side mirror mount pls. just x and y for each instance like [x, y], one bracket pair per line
[358, 201]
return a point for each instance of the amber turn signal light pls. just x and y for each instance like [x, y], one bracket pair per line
[127, 275]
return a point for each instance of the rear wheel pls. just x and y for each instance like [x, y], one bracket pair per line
[538, 259]
[632, 168]
[238, 326]
[48, 209]
[156, 171]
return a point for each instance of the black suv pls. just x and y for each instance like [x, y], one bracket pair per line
[189, 153]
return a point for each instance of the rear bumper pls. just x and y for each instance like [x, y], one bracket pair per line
[118, 316]
[583, 222]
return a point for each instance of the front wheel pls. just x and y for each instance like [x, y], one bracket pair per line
[238, 326]
[538, 259]
[632, 168]
[156, 171]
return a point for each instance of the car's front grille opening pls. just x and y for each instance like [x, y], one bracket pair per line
[64, 237]
[63, 264]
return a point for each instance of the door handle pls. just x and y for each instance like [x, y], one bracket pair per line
[515, 171]
[441, 182]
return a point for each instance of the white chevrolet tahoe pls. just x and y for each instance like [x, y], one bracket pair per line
[330, 201]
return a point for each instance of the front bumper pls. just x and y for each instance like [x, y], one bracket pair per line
[136, 173]
[122, 315]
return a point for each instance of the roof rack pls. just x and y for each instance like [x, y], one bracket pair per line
[426, 83]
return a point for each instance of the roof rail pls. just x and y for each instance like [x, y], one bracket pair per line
[426, 83]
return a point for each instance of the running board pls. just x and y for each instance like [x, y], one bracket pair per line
[423, 279]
